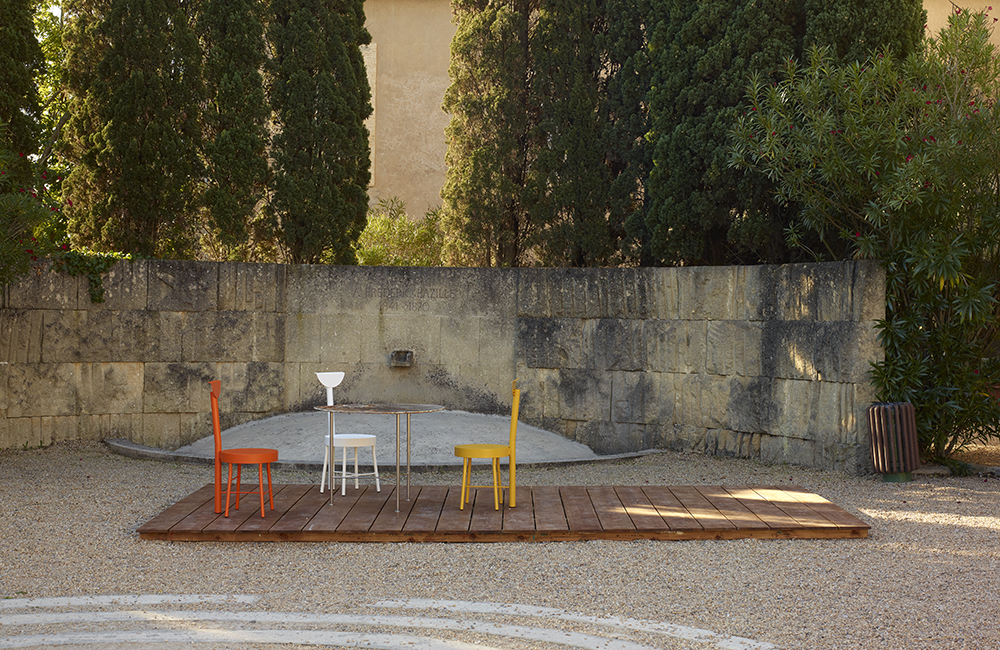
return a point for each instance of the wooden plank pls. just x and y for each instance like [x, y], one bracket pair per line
[792, 507]
[329, 517]
[766, 511]
[520, 518]
[285, 497]
[485, 517]
[734, 511]
[298, 516]
[426, 509]
[831, 512]
[369, 505]
[453, 518]
[388, 520]
[201, 517]
[547, 509]
[609, 509]
[701, 509]
[580, 513]
[642, 513]
[163, 521]
[673, 513]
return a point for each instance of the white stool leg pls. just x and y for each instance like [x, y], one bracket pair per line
[378, 487]
[355, 468]
[343, 475]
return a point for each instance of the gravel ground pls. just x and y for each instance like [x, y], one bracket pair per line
[925, 578]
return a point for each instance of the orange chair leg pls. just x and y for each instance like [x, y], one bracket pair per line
[239, 484]
[270, 496]
[260, 486]
[229, 488]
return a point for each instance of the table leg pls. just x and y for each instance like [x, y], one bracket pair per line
[407, 456]
[333, 457]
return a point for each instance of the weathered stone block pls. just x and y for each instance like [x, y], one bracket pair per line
[585, 394]
[177, 387]
[554, 342]
[125, 285]
[659, 407]
[70, 336]
[707, 293]
[662, 343]
[752, 406]
[251, 287]
[692, 347]
[135, 336]
[109, 388]
[619, 344]
[796, 451]
[21, 334]
[161, 430]
[630, 392]
[43, 289]
[183, 286]
[37, 389]
[255, 387]
[215, 336]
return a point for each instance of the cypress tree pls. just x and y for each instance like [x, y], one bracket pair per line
[489, 189]
[21, 60]
[320, 97]
[235, 127]
[701, 211]
[572, 182]
[625, 123]
[134, 188]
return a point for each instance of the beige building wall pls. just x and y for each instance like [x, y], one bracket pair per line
[411, 44]
[938, 11]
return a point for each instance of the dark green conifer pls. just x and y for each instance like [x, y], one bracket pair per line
[700, 210]
[136, 133]
[320, 98]
[491, 137]
[21, 61]
[235, 127]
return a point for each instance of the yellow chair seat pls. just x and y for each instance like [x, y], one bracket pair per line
[494, 452]
[473, 450]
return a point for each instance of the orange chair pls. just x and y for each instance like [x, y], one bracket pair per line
[238, 457]
[495, 453]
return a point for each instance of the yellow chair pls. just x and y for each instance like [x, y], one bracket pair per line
[494, 452]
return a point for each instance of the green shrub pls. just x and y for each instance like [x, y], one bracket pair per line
[391, 238]
[900, 159]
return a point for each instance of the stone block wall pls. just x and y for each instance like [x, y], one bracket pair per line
[767, 362]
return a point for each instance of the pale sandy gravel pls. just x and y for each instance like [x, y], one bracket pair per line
[927, 577]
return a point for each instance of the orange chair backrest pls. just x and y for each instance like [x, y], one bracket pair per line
[513, 417]
[216, 429]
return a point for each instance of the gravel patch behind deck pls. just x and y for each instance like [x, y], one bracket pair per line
[925, 578]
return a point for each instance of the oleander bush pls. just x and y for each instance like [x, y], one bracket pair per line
[899, 159]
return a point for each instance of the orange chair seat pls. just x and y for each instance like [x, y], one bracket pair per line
[248, 455]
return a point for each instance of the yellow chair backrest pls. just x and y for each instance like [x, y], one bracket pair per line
[513, 418]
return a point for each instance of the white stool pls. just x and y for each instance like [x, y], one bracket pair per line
[346, 441]
[331, 379]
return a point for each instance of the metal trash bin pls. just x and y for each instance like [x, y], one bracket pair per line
[893, 432]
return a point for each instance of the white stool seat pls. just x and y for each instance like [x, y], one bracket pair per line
[343, 440]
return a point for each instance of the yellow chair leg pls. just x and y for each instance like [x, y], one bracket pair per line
[496, 483]
[465, 482]
[512, 486]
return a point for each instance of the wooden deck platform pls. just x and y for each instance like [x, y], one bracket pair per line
[302, 514]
